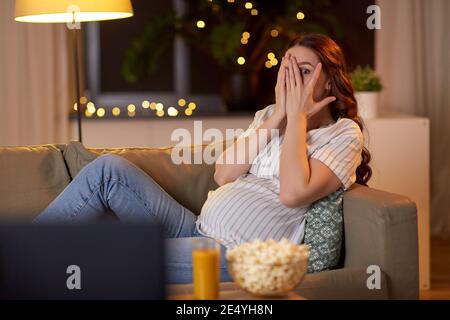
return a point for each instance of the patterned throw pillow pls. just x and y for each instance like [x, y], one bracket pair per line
[324, 232]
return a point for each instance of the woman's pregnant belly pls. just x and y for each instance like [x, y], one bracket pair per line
[247, 209]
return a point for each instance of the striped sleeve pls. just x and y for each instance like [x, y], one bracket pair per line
[342, 154]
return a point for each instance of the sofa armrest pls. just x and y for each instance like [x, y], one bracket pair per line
[381, 229]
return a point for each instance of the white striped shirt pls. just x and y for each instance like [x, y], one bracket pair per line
[249, 208]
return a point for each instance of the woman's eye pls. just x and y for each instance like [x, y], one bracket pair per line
[306, 71]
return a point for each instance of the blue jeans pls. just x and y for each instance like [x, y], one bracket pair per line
[111, 183]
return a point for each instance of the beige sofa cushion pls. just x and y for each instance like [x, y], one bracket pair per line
[187, 183]
[30, 178]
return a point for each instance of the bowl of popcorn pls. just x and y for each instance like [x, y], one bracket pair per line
[268, 268]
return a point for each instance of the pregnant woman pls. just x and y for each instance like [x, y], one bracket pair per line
[319, 150]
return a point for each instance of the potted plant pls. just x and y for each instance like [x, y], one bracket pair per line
[367, 86]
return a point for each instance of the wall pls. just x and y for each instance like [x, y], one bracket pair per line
[147, 133]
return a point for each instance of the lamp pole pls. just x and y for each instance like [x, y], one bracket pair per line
[77, 73]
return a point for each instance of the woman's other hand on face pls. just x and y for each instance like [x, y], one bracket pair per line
[299, 95]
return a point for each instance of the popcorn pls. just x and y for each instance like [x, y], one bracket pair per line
[268, 267]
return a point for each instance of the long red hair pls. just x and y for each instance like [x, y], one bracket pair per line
[345, 105]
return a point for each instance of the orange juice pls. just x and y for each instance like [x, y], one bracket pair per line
[206, 274]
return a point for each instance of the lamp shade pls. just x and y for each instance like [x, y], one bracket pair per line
[62, 11]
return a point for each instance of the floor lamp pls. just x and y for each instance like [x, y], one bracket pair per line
[72, 12]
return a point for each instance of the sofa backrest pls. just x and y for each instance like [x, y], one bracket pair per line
[30, 178]
[33, 176]
[187, 183]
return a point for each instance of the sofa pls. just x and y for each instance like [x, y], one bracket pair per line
[380, 228]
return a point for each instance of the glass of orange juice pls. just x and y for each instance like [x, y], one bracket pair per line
[205, 268]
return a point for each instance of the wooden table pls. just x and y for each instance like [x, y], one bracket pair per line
[238, 294]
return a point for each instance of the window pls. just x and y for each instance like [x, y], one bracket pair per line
[185, 72]
[105, 45]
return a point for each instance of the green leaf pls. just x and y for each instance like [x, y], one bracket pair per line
[365, 79]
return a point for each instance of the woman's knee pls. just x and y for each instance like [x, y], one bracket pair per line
[111, 161]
